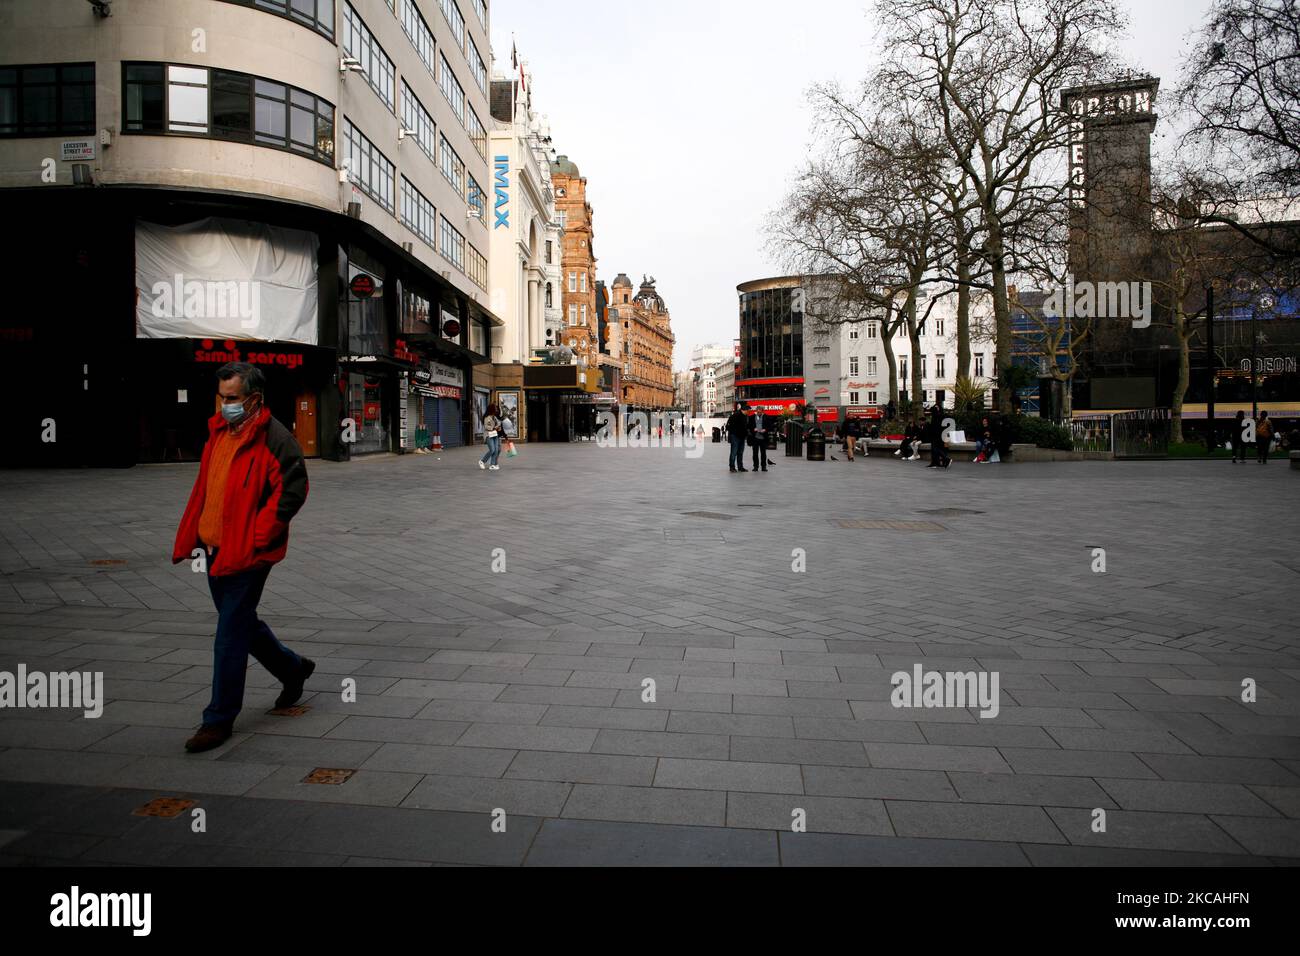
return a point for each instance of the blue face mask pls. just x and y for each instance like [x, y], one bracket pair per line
[234, 414]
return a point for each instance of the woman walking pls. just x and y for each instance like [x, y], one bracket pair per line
[1264, 437]
[492, 429]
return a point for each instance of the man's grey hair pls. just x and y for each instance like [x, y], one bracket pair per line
[252, 377]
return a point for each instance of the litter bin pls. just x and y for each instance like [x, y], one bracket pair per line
[816, 439]
[793, 440]
[717, 436]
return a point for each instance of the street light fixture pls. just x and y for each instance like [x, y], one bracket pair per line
[1263, 302]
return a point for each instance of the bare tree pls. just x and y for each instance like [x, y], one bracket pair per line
[992, 70]
[863, 218]
[1242, 89]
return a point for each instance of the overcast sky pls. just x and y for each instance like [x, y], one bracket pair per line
[689, 119]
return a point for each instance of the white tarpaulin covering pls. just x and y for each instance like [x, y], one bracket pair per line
[226, 279]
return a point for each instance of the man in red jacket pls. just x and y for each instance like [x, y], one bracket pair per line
[252, 481]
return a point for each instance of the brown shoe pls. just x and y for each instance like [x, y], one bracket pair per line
[208, 737]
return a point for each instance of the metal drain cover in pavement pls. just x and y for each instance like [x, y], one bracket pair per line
[874, 525]
[166, 807]
[710, 514]
[950, 512]
[332, 778]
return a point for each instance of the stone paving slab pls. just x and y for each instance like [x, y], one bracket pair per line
[1120, 692]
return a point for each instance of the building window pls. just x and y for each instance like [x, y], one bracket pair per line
[562, 217]
[550, 296]
[573, 282]
[853, 398]
[902, 371]
[367, 167]
[584, 315]
[573, 316]
[415, 313]
[924, 368]
[853, 367]
[938, 330]
[550, 252]
[452, 168]
[873, 398]
[418, 32]
[57, 100]
[872, 365]
[187, 100]
[360, 43]
[457, 21]
[316, 14]
[453, 245]
[979, 364]
[226, 105]
[582, 282]
[418, 213]
[477, 134]
[416, 117]
[474, 196]
[480, 8]
[872, 330]
[451, 88]
[477, 68]
[853, 333]
[938, 366]
[478, 267]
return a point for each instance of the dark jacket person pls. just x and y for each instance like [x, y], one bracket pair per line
[737, 427]
[252, 482]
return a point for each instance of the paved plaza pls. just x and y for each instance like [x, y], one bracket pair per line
[522, 691]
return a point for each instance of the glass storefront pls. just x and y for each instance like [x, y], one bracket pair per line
[366, 409]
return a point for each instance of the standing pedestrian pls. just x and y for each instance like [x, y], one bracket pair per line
[759, 437]
[737, 426]
[493, 428]
[1238, 438]
[252, 482]
[1264, 437]
[938, 448]
[852, 432]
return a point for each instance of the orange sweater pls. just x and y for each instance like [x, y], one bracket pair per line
[214, 496]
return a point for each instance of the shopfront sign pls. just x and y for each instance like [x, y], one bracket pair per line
[403, 353]
[363, 286]
[502, 208]
[209, 354]
[446, 375]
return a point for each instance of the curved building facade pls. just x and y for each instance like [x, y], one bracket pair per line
[771, 374]
[296, 183]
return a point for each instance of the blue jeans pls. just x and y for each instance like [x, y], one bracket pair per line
[737, 460]
[239, 633]
[493, 451]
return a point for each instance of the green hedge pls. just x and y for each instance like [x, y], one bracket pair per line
[1015, 429]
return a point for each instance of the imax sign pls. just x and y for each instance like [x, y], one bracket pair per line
[502, 207]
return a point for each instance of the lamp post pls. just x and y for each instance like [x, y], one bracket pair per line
[1210, 370]
[1264, 302]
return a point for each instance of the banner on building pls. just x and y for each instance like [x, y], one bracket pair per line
[226, 279]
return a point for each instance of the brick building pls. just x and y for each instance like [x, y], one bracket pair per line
[645, 327]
